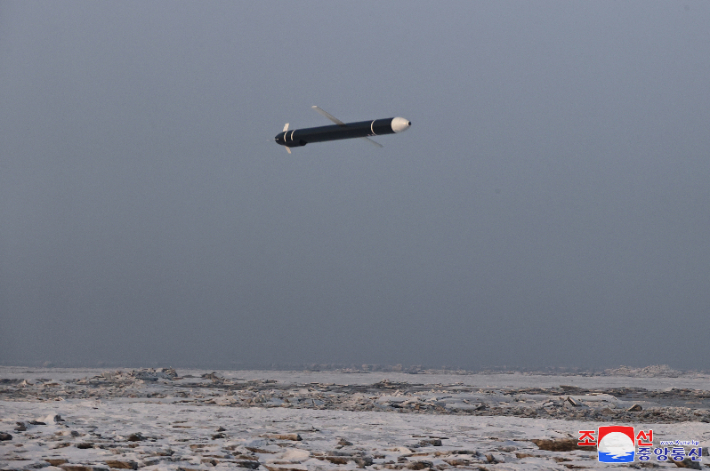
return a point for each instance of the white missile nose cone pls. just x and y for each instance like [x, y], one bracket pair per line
[400, 124]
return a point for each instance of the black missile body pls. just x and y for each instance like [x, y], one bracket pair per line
[362, 129]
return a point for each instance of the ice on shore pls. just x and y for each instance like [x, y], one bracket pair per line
[283, 421]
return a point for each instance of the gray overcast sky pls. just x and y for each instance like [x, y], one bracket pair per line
[549, 206]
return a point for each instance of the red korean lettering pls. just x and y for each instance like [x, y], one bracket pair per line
[586, 438]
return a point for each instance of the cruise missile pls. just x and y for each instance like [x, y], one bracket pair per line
[340, 130]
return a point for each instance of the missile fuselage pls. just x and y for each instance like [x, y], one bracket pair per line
[378, 127]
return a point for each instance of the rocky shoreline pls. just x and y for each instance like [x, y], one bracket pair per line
[636, 405]
[160, 420]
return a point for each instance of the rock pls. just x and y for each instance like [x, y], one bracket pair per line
[419, 465]
[149, 374]
[168, 373]
[5, 437]
[136, 437]
[118, 464]
[84, 446]
[560, 444]
[249, 464]
[36, 422]
[218, 435]
[635, 408]
[344, 442]
[82, 467]
[363, 461]
[430, 442]
[572, 401]
[258, 450]
[53, 419]
[284, 436]
[221, 429]
[688, 463]
[457, 462]
[56, 461]
[164, 452]
[286, 467]
[21, 427]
